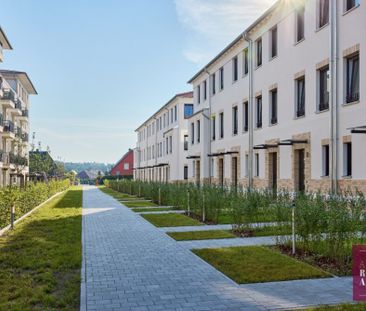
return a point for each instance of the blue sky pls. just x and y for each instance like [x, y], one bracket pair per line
[103, 67]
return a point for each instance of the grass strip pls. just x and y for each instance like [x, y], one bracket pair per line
[343, 307]
[171, 220]
[139, 204]
[201, 235]
[158, 209]
[118, 195]
[255, 264]
[40, 260]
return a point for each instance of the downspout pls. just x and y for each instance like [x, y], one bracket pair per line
[247, 38]
[208, 89]
[333, 96]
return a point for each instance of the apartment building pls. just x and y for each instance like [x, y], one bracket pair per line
[162, 142]
[282, 106]
[15, 88]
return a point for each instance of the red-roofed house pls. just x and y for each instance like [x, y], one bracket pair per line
[124, 166]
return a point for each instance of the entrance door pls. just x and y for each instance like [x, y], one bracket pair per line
[273, 170]
[300, 180]
[234, 171]
[221, 172]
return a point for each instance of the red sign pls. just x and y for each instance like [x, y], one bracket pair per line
[359, 272]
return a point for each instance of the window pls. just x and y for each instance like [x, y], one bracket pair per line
[323, 13]
[347, 159]
[175, 113]
[185, 170]
[274, 41]
[300, 24]
[323, 89]
[188, 110]
[246, 61]
[193, 168]
[235, 120]
[246, 165]
[167, 145]
[171, 116]
[212, 167]
[353, 79]
[221, 125]
[300, 97]
[221, 78]
[126, 166]
[258, 114]
[213, 82]
[235, 68]
[198, 131]
[213, 120]
[259, 52]
[205, 90]
[185, 142]
[171, 144]
[350, 4]
[192, 133]
[325, 160]
[256, 171]
[199, 94]
[245, 116]
[273, 107]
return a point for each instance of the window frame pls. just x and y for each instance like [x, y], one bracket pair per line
[320, 24]
[235, 120]
[273, 120]
[325, 160]
[235, 68]
[245, 61]
[300, 12]
[354, 97]
[221, 127]
[273, 43]
[297, 97]
[347, 159]
[259, 112]
[321, 107]
[259, 52]
[221, 76]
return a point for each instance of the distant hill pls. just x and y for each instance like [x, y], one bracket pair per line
[87, 166]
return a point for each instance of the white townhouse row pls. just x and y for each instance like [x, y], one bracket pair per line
[284, 106]
[162, 142]
[15, 88]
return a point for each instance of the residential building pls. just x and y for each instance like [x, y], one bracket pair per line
[15, 88]
[285, 106]
[162, 142]
[124, 167]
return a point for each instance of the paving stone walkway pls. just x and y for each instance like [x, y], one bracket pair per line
[128, 264]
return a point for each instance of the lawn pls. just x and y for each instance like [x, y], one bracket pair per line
[139, 204]
[201, 235]
[265, 231]
[171, 220]
[345, 307]
[118, 195]
[158, 209]
[255, 264]
[40, 260]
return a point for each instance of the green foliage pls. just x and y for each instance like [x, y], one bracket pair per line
[87, 166]
[26, 199]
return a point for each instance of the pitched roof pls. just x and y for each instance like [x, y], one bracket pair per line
[23, 77]
[4, 40]
[124, 157]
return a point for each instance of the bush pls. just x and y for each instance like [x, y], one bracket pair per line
[26, 199]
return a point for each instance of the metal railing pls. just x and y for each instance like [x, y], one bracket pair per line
[25, 113]
[8, 126]
[8, 94]
[18, 104]
[25, 137]
[18, 132]
[1, 119]
[17, 159]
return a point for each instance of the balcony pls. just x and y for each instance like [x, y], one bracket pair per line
[1, 120]
[25, 137]
[24, 115]
[8, 129]
[17, 160]
[8, 98]
[17, 109]
[18, 132]
[4, 158]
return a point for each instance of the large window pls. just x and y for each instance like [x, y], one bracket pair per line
[350, 4]
[213, 129]
[246, 61]
[213, 83]
[192, 133]
[274, 42]
[221, 125]
[323, 13]
[221, 78]
[353, 79]
[325, 160]
[323, 89]
[259, 52]
[347, 159]
[245, 116]
[198, 131]
[235, 120]
[258, 114]
[273, 107]
[235, 68]
[300, 23]
[300, 97]
[188, 110]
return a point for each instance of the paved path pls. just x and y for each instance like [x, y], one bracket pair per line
[131, 265]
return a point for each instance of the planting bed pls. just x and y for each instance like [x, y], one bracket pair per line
[170, 220]
[153, 209]
[201, 235]
[139, 204]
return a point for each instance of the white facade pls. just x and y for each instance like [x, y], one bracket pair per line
[15, 88]
[307, 142]
[160, 153]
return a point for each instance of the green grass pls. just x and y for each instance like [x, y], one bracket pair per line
[201, 235]
[40, 260]
[171, 220]
[255, 264]
[268, 231]
[158, 209]
[344, 307]
[118, 195]
[139, 204]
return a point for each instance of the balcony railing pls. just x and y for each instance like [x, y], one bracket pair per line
[8, 126]
[25, 137]
[18, 104]
[4, 157]
[1, 119]
[8, 94]
[18, 132]
[17, 159]
[25, 113]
